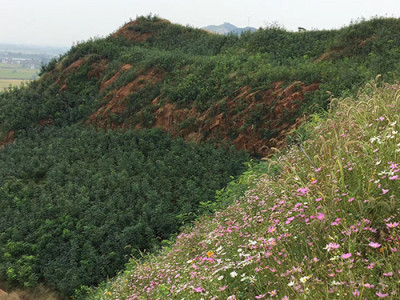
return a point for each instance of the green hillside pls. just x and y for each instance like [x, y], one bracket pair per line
[326, 227]
[125, 139]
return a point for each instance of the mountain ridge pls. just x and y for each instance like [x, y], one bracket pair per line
[228, 28]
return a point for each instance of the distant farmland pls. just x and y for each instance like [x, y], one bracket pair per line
[6, 83]
[13, 75]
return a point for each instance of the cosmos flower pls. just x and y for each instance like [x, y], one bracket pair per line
[374, 245]
[198, 289]
[332, 246]
[346, 255]
[381, 295]
[392, 225]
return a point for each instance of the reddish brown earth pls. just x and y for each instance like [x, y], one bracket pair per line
[116, 100]
[208, 126]
[252, 119]
[340, 50]
[9, 139]
[218, 122]
[127, 31]
[96, 70]
[105, 84]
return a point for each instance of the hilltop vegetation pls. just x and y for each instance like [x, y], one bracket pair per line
[250, 90]
[123, 139]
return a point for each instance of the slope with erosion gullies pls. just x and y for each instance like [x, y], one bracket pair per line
[249, 90]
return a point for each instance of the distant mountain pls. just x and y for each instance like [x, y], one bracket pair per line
[32, 49]
[228, 28]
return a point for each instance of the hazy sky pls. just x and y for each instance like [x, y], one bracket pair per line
[63, 22]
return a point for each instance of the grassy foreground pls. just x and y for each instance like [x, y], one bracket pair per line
[326, 228]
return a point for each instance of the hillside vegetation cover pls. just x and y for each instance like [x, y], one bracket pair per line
[249, 90]
[326, 228]
[124, 139]
[76, 203]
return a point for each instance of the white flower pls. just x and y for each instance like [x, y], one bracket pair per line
[233, 274]
[378, 163]
[189, 261]
[220, 277]
[291, 283]
[375, 138]
[304, 279]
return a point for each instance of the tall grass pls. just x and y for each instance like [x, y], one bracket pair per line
[326, 228]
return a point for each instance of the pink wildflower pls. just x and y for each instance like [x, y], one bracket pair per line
[392, 225]
[271, 229]
[289, 220]
[371, 266]
[272, 293]
[198, 289]
[303, 191]
[320, 216]
[385, 191]
[332, 246]
[388, 274]
[381, 295]
[260, 296]
[356, 293]
[374, 245]
[346, 255]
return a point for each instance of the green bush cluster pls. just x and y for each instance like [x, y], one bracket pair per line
[76, 203]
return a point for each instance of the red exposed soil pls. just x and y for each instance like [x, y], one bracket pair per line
[207, 126]
[332, 53]
[96, 69]
[230, 118]
[45, 122]
[105, 84]
[116, 100]
[72, 68]
[8, 139]
[128, 32]
[39, 293]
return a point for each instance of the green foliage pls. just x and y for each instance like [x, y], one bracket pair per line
[76, 203]
[320, 221]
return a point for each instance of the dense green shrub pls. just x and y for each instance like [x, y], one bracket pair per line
[76, 202]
